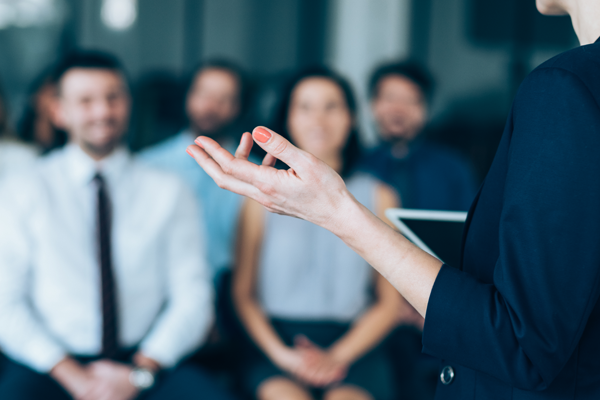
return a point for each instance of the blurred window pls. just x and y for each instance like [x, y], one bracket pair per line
[30, 13]
[119, 15]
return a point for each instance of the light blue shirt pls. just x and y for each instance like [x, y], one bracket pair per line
[306, 273]
[220, 208]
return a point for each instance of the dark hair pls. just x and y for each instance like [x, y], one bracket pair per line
[26, 126]
[352, 150]
[229, 67]
[88, 59]
[411, 70]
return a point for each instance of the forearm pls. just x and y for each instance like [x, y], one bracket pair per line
[409, 269]
[365, 334]
[70, 375]
[259, 328]
[180, 329]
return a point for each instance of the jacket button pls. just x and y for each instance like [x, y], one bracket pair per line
[447, 375]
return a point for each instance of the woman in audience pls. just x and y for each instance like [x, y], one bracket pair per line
[314, 310]
[13, 154]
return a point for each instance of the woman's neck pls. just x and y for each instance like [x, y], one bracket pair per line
[585, 15]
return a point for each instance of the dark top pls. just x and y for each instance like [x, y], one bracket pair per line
[521, 319]
[427, 177]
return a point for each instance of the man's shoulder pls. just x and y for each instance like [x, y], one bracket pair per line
[27, 185]
[154, 176]
[441, 154]
[41, 167]
[167, 148]
[376, 155]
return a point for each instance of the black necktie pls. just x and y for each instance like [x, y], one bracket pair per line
[110, 343]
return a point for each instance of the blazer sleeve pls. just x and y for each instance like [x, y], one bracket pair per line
[524, 326]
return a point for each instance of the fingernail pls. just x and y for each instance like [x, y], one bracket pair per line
[189, 152]
[198, 142]
[262, 134]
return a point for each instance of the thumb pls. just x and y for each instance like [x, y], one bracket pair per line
[303, 342]
[279, 147]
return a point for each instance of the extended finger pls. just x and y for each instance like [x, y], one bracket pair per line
[243, 150]
[240, 169]
[269, 160]
[281, 148]
[223, 180]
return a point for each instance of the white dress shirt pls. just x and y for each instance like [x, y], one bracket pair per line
[15, 156]
[50, 298]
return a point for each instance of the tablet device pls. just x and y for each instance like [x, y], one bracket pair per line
[439, 233]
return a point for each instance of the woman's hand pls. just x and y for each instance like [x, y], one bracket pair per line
[309, 364]
[323, 368]
[290, 360]
[309, 190]
[312, 191]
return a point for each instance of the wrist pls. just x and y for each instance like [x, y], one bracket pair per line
[339, 355]
[140, 360]
[69, 374]
[277, 352]
[345, 212]
[142, 378]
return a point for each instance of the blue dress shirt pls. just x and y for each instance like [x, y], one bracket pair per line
[428, 177]
[220, 207]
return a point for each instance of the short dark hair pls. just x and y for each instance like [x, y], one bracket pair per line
[411, 70]
[224, 65]
[88, 59]
[352, 151]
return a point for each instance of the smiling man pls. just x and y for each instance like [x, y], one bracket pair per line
[104, 286]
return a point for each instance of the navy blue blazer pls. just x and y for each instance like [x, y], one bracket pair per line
[520, 317]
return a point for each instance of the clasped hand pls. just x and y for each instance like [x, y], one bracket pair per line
[311, 364]
[100, 380]
[108, 380]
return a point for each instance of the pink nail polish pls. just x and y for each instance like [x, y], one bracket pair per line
[199, 143]
[189, 152]
[262, 134]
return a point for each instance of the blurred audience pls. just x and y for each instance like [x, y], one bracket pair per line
[38, 124]
[104, 285]
[13, 154]
[314, 310]
[426, 175]
[214, 103]
[159, 108]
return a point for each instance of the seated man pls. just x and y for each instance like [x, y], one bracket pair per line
[104, 287]
[426, 176]
[213, 106]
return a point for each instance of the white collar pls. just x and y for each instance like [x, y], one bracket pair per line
[82, 168]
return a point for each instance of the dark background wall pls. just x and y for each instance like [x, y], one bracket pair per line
[478, 50]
